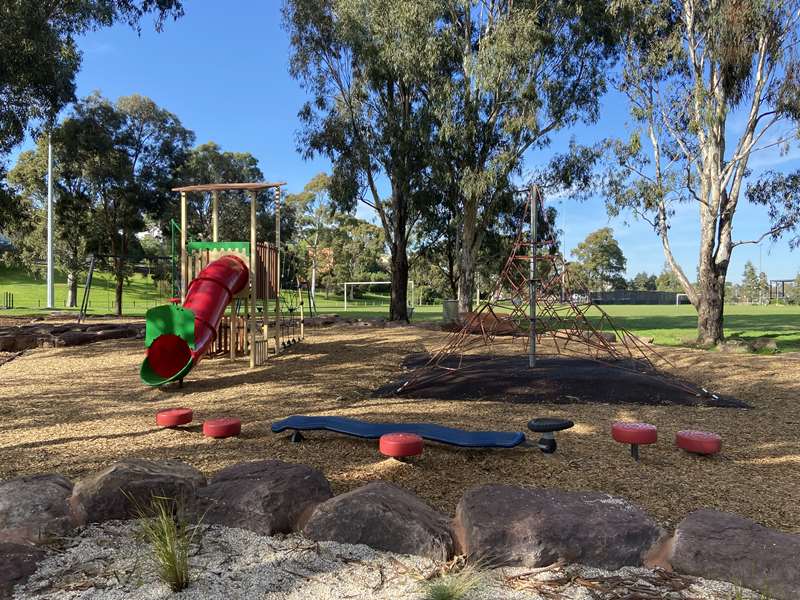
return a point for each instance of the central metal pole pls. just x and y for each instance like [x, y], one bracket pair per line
[532, 192]
[50, 269]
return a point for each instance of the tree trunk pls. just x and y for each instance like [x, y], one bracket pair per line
[466, 261]
[314, 280]
[466, 281]
[120, 281]
[398, 310]
[72, 289]
[711, 302]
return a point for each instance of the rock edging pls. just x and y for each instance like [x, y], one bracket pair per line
[495, 524]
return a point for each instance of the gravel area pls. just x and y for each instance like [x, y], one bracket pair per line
[110, 562]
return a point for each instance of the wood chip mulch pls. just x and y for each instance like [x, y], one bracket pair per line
[76, 410]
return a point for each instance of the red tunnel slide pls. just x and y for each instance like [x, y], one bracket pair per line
[170, 356]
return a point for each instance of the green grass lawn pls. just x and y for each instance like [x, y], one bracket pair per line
[30, 293]
[668, 325]
[673, 325]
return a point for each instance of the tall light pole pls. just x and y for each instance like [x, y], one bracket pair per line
[533, 192]
[50, 295]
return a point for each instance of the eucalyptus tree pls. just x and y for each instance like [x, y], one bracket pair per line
[208, 163]
[601, 261]
[514, 72]
[40, 59]
[130, 152]
[314, 219]
[367, 65]
[710, 84]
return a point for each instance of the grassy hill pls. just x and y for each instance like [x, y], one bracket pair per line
[30, 293]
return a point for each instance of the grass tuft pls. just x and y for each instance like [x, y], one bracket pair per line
[164, 526]
[455, 585]
[739, 594]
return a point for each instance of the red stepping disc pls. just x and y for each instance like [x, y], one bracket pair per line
[172, 417]
[222, 428]
[400, 445]
[634, 433]
[699, 442]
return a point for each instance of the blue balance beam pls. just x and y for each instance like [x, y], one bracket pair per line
[428, 431]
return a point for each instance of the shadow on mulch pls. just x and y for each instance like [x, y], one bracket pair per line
[554, 380]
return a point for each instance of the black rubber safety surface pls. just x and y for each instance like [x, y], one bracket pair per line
[554, 380]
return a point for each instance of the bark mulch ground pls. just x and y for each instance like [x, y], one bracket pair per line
[75, 410]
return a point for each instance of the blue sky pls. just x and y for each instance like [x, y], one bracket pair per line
[223, 69]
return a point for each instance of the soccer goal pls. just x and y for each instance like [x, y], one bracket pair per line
[389, 283]
[678, 299]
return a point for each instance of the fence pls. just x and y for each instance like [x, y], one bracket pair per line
[632, 297]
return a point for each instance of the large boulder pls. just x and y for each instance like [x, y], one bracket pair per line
[74, 338]
[537, 527]
[384, 517]
[17, 563]
[718, 545]
[486, 322]
[114, 334]
[68, 327]
[35, 509]
[598, 337]
[266, 496]
[24, 341]
[767, 344]
[123, 489]
[734, 346]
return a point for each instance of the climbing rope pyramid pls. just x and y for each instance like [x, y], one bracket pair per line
[563, 313]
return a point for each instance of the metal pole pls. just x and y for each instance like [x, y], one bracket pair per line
[184, 254]
[532, 279]
[50, 273]
[345, 297]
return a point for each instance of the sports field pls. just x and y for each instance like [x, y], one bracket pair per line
[668, 325]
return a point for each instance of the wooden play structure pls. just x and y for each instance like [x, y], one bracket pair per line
[256, 324]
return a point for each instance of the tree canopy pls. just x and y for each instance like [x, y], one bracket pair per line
[601, 261]
[40, 60]
[690, 67]
[512, 74]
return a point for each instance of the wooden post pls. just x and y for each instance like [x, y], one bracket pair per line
[184, 256]
[267, 265]
[232, 333]
[278, 269]
[246, 346]
[214, 217]
[302, 329]
[253, 201]
[265, 303]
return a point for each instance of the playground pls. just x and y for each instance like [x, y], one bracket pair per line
[91, 410]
